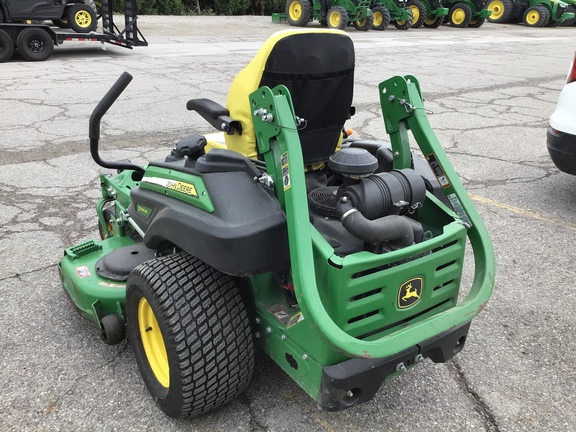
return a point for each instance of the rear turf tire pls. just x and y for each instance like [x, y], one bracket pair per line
[190, 333]
[81, 18]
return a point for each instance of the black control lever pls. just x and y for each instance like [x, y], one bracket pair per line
[94, 127]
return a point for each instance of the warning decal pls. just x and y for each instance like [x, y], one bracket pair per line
[284, 317]
[438, 171]
[82, 272]
[285, 171]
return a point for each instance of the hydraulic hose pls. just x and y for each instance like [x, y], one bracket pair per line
[387, 229]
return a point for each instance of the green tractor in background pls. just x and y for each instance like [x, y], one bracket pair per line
[401, 13]
[468, 13]
[534, 13]
[334, 14]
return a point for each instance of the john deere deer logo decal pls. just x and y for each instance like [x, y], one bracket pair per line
[409, 293]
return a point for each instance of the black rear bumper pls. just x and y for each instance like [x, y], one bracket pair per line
[357, 380]
[562, 149]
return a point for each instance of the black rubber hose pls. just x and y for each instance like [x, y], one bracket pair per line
[387, 229]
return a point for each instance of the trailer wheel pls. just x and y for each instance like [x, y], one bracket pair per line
[434, 22]
[190, 333]
[298, 13]
[34, 44]
[477, 23]
[380, 17]
[501, 11]
[418, 12]
[81, 18]
[405, 24]
[536, 16]
[364, 24]
[460, 15]
[337, 18]
[6, 46]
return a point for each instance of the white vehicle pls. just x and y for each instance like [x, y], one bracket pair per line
[561, 136]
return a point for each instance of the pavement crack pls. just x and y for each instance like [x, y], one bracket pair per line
[480, 406]
[255, 424]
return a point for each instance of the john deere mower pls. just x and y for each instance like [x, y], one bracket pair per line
[340, 258]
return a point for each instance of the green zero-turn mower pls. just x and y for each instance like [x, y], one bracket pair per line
[340, 258]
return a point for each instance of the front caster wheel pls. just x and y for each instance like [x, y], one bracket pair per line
[190, 334]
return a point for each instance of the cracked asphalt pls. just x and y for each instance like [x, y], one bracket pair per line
[490, 92]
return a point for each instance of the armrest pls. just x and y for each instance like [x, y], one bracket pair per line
[216, 115]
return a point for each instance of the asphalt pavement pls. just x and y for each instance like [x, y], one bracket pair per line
[489, 92]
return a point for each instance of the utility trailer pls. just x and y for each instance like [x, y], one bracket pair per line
[36, 41]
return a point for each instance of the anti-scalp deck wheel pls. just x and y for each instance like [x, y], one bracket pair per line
[190, 334]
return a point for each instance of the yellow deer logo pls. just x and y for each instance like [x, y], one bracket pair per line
[409, 293]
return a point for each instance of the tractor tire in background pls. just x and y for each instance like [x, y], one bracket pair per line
[6, 47]
[460, 15]
[501, 10]
[364, 24]
[337, 18]
[81, 18]
[298, 12]
[404, 24]
[433, 22]
[569, 22]
[190, 333]
[380, 17]
[517, 14]
[536, 16]
[34, 44]
[477, 23]
[418, 12]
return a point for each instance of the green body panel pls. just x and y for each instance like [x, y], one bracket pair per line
[312, 272]
[93, 296]
[180, 185]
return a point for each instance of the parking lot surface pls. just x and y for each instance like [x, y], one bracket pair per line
[489, 92]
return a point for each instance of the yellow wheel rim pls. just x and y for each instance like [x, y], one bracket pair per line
[532, 17]
[377, 19]
[458, 16]
[295, 10]
[361, 23]
[429, 21]
[153, 343]
[415, 13]
[497, 8]
[334, 19]
[401, 22]
[83, 19]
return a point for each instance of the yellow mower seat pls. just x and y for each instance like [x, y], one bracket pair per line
[317, 67]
